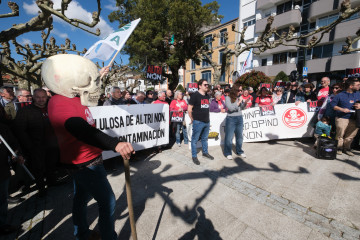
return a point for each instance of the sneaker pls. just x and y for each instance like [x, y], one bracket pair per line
[178, 144]
[196, 160]
[339, 152]
[208, 156]
[243, 155]
[348, 152]
[229, 157]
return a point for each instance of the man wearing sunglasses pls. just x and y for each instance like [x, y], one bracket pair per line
[198, 110]
[293, 95]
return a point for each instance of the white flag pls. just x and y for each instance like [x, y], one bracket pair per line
[105, 48]
[247, 63]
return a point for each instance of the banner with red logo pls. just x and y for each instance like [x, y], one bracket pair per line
[285, 121]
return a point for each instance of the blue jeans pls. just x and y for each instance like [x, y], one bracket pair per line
[3, 201]
[178, 128]
[92, 182]
[200, 129]
[233, 125]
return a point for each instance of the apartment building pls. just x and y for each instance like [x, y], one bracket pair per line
[194, 72]
[305, 16]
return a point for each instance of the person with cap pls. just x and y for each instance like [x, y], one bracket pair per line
[149, 96]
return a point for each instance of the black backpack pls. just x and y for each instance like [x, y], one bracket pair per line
[326, 148]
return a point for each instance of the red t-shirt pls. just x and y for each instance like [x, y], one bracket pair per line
[249, 103]
[323, 93]
[263, 101]
[72, 151]
[175, 105]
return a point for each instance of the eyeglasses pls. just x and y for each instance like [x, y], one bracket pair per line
[26, 95]
[336, 88]
[240, 90]
[206, 85]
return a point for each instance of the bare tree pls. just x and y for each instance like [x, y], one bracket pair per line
[264, 43]
[28, 69]
[118, 74]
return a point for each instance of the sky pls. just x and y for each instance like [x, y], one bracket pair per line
[82, 9]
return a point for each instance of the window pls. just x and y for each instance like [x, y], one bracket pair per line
[322, 51]
[249, 22]
[221, 54]
[222, 78]
[223, 34]
[205, 63]
[208, 41]
[193, 66]
[206, 75]
[264, 62]
[280, 58]
[292, 54]
[327, 20]
[285, 7]
[193, 77]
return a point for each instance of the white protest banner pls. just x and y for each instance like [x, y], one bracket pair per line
[289, 121]
[143, 125]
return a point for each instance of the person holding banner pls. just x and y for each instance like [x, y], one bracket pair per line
[234, 122]
[199, 114]
[180, 105]
[217, 105]
[293, 95]
[277, 95]
[264, 98]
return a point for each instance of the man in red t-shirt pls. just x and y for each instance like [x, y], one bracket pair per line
[323, 91]
[81, 145]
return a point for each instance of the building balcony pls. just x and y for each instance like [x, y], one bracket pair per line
[292, 17]
[280, 49]
[318, 65]
[324, 8]
[321, 8]
[341, 32]
[345, 29]
[264, 4]
[273, 70]
[342, 62]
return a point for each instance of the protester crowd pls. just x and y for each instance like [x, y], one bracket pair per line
[24, 122]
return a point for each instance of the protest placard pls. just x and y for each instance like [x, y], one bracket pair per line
[153, 73]
[177, 117]
[312, 106]
[144, 126]
[192, 87]
[267, 85]
[352, 72]
[267, 110]
[280, 84]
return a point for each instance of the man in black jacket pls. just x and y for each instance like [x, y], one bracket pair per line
[5, 176]
[38, 140]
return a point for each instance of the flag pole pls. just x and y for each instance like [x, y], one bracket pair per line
[111, 62]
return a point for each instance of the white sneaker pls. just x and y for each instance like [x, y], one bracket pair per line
[243, 155]
[229, 157]
[178, 144]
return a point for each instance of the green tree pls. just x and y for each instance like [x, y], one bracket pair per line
[253, 79]
[281, 76]
[162, 21]
[180, 88]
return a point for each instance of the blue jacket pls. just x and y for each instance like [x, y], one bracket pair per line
[322, 128]
[298, 97]
[345, 100]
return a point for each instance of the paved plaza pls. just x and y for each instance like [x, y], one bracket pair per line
[280, 191]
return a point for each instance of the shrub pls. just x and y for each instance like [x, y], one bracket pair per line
[253, 79]
[281, 76]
